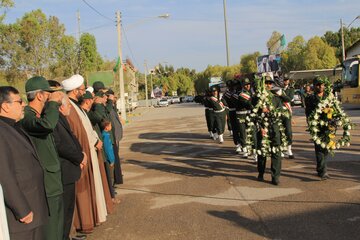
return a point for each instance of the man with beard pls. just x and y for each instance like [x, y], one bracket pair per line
[40, 119]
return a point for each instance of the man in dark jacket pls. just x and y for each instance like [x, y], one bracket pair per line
[72, 160]
[21, 175]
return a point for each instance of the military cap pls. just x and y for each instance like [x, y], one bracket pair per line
[229, 83]
[213, 89]
[236, 82]
[98, 85]
[37, 83]
[318, 80]
[99, 94]
[55, 85]
[246, 81]
[109, 92]
[269, 79]
[87, 95]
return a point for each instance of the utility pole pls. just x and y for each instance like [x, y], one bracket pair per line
[78, 23]
[342, 40]
[121, 70]
[79, 35]
[146, 90]
[226, 36]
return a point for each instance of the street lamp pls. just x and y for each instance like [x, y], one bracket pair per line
[358, 17]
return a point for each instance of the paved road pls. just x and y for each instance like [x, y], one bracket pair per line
[179, 184]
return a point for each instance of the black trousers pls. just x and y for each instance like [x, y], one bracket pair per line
[235, 127]
[69, 206]
[118, 176]
[321, 159]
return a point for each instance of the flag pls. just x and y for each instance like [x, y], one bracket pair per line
[282, 41]
[116, 68]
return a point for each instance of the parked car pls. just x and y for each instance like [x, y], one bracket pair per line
[297, 100]
[163, 102]
[188, 99]
[175, 100]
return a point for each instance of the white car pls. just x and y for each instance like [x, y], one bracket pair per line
[163, 102]
[175, 100]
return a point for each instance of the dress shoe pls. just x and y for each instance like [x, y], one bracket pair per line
[79, 237]
[260, 177]
[275, 181]
[325, 176]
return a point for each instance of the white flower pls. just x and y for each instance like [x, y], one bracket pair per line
[255, 110]
[266, 119]
[323, 145]
[348, 144]
[314, 123]
[318, 141]
[314, 129]
[322, 123]
[262, 115]
[266, 124]
[342, 144]
[316, 117]
[338, 145]
[349, 127]
[258, 152]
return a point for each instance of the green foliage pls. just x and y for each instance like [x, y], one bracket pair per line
[90, 59]
[334, 39]
[5, 4]
[248, 63]
[274, 43]
[319, 54]
[292, 58]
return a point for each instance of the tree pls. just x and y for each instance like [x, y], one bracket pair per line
[67, 57]
[334, 39]
[292, 58]
[5, 4]
[90, 59]
[274, 42]
[319, 54]
[248, 63]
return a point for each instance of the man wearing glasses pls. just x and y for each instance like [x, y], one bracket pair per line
[40, 120]
[21, 174]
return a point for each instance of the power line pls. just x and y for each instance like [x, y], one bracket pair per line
[106, 17]
[128, 45]
[92, 28]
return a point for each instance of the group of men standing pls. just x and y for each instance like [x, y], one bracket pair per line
[239, 99]
[58, 175]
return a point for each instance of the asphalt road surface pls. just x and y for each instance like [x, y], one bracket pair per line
[180, 184]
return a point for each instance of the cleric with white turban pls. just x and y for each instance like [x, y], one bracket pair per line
[73, 82]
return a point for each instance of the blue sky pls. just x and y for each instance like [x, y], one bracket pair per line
[194, 35]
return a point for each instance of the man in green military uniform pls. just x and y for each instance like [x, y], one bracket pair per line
[219, 113]
[231, 98]
[40, 119]
[244, 107]
[277, 97]
[286, 120]
[311, 103]
[209, 113]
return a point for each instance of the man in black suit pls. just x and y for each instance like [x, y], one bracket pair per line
[72, 160]
[21, 174]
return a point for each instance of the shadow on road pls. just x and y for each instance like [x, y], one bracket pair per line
[333, 222]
